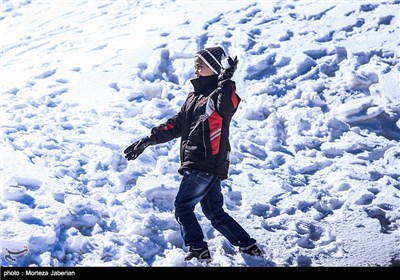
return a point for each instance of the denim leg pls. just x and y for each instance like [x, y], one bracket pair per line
[212, 205]
[193, 188]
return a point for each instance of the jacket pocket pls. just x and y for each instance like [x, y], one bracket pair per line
[198, 137]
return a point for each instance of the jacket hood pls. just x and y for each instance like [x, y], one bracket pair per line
[205, 85]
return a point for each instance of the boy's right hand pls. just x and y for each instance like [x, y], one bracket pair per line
[227, 73]
[134, 150]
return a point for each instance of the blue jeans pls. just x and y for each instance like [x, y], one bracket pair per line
[198, 186]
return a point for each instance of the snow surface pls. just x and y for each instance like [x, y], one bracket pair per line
[316, 156]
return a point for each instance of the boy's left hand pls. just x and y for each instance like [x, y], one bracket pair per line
[227, 73]
[134, 150]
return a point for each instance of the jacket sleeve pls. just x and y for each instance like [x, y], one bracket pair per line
[227, 100]
[170, 129]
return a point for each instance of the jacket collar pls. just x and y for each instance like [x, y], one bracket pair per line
[205, 85]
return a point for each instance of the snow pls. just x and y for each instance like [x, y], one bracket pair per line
[315, 171]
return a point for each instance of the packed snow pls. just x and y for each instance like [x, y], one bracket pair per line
[315, 171]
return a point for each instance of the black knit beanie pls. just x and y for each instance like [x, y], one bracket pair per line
[212, 57]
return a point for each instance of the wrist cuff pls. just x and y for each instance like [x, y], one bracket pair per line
[153, 139]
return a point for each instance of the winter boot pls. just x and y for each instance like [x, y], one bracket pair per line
[252, 250]
[202, 254]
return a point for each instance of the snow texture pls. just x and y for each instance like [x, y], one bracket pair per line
[315, 171]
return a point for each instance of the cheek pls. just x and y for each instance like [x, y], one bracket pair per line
[208, 72]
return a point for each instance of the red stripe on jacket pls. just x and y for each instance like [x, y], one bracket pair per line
[234, 97]
[215, 124]
[169, 125]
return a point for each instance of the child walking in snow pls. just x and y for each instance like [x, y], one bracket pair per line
[203, 126]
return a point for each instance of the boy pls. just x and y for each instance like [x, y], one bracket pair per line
[203, 125]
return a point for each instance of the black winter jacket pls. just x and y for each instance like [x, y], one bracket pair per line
[203, 125]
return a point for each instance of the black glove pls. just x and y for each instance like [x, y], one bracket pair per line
[228, 72]
[134, 150]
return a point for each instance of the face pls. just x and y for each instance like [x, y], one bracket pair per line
[201, 69]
